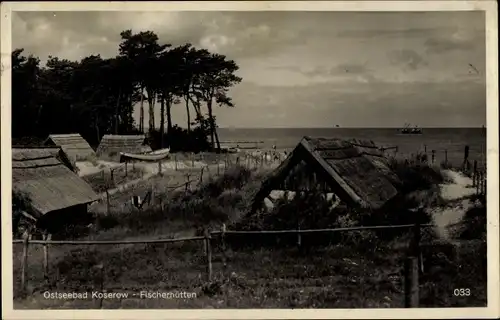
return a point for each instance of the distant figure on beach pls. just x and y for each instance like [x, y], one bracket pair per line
[274, 147]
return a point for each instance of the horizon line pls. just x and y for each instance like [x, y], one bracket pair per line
[421, 127]
[458, 127]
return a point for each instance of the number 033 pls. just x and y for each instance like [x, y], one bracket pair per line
[461, 292]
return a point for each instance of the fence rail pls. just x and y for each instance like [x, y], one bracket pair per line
[413, 260]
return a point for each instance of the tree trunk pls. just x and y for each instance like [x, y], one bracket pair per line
[130, 113]
[117, 110]
[212, 125]
[197, 107]
[162, 120]
[188, 114]
[141, 116]
[97, 129]
[169, 118]
[151, 103]
[217, 139]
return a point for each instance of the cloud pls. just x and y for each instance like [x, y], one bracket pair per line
[344, 71]
[444, 45]
[361, 105]
[409, 59]
[379, 33]
[74, 35]
[459, 39]
[380, 104]
[308, 68]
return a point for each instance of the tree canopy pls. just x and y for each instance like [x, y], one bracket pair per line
[96, 96]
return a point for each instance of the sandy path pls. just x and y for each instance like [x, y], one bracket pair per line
[454, 192]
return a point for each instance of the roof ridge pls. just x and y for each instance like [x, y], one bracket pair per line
[39, 166]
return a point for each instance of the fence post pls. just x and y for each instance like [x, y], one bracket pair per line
[223, 246]
[108, 205]
[483, 183]
[100, 271]
[417, 239]
[465, 165]
[478, 182]
[299, 237]
[433, 156]
[474, 173]
[192, 159]
[111, 173]
[24, 266]
[175, 161]
[126, 168]
[201, 176]
[46, 237]
[411, 282]
[208, 250]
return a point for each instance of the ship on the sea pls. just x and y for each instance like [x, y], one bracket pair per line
[410, 130]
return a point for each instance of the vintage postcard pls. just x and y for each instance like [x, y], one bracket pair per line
[221, 160]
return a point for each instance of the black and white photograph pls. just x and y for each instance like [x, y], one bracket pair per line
[250, 159]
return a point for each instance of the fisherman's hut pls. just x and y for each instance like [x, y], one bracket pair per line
[73, 145]
[46, 191]
[355, 171]
[112, 145]
[55, 152]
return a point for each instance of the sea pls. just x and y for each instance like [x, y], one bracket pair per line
[448, 143]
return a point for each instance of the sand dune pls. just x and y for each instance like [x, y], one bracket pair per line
[455, 193]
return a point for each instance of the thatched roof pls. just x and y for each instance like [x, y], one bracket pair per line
[112, 145]
[357, 171]
[75, 147]
[56, 152]
[48, 184]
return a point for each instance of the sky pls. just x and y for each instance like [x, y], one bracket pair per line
[304, 69]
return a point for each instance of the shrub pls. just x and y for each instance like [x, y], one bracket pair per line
[181, 140]
[473, 224]
[414, 175]
[216, 201]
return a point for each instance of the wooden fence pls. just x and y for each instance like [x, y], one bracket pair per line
[413, 265]
[479, 179]
[118, 181]
[432, 156]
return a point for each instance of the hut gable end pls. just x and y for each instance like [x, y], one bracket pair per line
[48, 184]
[112, 145]
[356, 171]
[73, 145]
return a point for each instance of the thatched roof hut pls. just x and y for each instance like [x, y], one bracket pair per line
[112, 145]
[75, 147]
[356, 171]
[55, 152]
[48, 184]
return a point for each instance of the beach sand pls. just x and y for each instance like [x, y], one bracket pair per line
[457, 196]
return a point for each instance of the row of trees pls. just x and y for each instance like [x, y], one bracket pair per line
[95, 96]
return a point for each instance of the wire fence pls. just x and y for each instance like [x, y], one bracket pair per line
[413, 263]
